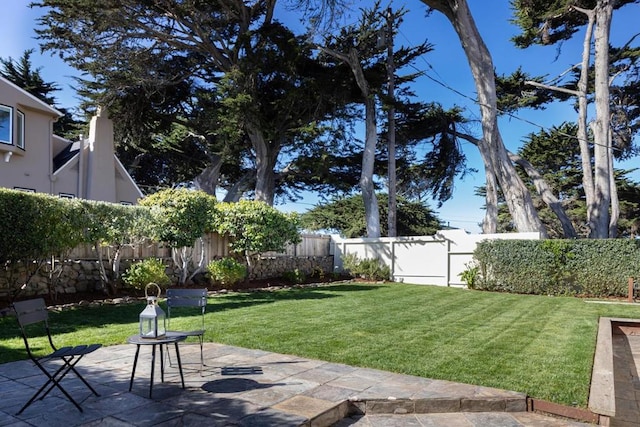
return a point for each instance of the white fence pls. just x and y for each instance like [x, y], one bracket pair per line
[433, 260]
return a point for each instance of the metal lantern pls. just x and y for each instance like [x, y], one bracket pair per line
[152, 318]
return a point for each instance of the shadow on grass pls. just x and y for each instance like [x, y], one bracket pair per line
[78, 319]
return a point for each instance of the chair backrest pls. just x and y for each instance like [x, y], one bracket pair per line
[30, 312]
[186, 298]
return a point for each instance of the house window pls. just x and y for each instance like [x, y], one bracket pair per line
[26, 190]
[126, 203]
[67, 196]
[6, 128]
[20, 129]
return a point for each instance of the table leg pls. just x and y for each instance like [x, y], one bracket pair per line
[179, 363]
[135, 362]
[153, 365]
[161, 364]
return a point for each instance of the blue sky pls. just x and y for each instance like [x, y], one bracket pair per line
[446, 64]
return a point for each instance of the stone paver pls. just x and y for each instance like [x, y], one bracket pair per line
[626, 365]
[242, 387]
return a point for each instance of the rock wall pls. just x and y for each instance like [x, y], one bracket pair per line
[269, 267]
[84, 275]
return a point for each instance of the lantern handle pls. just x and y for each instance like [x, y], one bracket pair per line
[146, 293]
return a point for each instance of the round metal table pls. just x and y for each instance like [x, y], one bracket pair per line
[169, 338]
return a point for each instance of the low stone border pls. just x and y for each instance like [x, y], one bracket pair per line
[602, 396]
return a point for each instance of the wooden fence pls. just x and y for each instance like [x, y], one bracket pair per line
[214, 245]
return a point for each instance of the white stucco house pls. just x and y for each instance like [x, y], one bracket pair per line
[33, 159]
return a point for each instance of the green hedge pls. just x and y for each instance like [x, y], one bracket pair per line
[36, 226]
[595, 267]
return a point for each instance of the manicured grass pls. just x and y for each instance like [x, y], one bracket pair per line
[542, 346]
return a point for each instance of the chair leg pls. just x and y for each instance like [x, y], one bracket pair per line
[70, 363]
[201, 338]
[55, 383]
[83, 380]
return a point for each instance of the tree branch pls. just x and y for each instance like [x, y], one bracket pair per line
[555, 88]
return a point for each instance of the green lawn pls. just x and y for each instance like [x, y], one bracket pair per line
[542, 346]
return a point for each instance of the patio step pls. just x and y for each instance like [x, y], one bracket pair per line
[323, 413]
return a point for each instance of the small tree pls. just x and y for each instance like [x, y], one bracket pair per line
[256, 227]
[181, 217]
[114, 227]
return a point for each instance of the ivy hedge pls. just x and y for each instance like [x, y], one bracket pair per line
[590, 267]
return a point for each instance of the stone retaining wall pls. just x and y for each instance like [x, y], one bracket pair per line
[83, 275]
[269, 267]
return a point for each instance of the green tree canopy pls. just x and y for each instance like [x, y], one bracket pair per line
[346, 216]
[242, 85]
[181, 216]
[256, 227]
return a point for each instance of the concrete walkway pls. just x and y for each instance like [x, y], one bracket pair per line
[241, 387]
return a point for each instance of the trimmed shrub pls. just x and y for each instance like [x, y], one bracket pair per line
[37, 226]
[594, 267]
[226, 271]
[141, 273]
[296, 276]
[181, 216]
[368, 268]
[116, 227]
[256, 227]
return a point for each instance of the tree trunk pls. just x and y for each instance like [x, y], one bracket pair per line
[543, 188]
[391, 137]
[105, 283]
[585, 153]
[239, 187]
[547, 196]
[266, 157]
[371, 208]
[490, 222]
[615, 202]
[602, 141]
[207, 180]
[495, 156]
